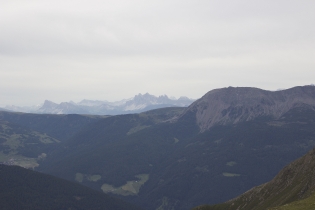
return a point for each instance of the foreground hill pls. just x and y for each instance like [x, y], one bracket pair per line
[296, 182]
[25, 189]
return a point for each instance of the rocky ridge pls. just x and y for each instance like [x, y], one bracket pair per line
[231, 105]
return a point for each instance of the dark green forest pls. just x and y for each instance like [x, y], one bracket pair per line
[30, 190]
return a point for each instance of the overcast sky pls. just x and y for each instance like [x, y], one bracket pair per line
[114, 49]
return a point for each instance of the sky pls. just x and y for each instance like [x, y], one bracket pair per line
[114, 49]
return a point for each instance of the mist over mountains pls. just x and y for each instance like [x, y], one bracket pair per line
[137, 104]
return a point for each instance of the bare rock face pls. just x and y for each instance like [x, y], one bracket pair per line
[231, 105]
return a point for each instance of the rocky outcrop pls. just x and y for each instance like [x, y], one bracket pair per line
[231, 105]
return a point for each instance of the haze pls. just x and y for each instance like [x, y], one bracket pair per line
[110, 50]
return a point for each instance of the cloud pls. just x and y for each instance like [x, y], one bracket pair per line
[86, 49]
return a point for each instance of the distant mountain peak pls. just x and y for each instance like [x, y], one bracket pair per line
[143, 101]
[48, 103]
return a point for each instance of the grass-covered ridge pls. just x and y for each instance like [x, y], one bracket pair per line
[305, 204]
[292, 188]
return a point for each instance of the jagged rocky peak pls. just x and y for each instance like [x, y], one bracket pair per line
[144, 98]
[49, 104]
[67, 104]
[151, 99]
[237, 104]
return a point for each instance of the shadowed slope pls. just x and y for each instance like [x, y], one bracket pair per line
[25, 189]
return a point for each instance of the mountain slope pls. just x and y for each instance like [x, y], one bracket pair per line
[231, 105]
[295, 182]
[60, 127]
[22, 146]
[26, 139]
[25, 189]
[305, 204]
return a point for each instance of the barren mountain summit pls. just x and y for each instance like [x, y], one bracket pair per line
[232, 105]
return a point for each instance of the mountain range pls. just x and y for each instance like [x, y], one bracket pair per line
[222, 145]
[139, 103]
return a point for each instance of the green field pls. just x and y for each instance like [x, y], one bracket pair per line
[136, 129]
[131, 188]
[14, 159]
[92, 178]
[230, 174]
[231, 163]
[306, 204]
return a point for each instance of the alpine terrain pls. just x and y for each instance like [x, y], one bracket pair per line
[219, 147]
